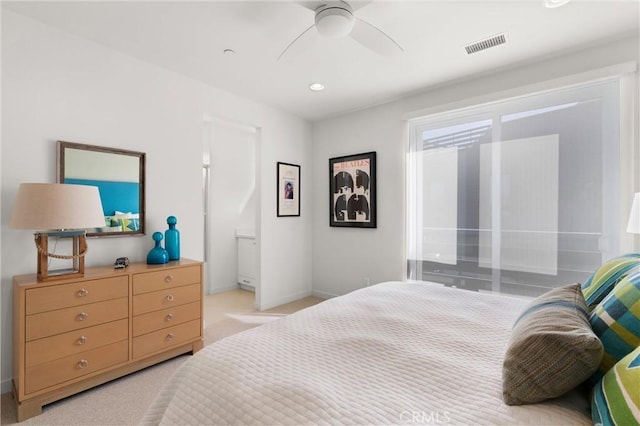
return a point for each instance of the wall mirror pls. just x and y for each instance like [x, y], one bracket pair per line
[119, 176]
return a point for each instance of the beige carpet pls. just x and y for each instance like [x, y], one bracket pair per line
[124, 401]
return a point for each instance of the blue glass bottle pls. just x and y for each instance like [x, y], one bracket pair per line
[172, 239]
[157, 255]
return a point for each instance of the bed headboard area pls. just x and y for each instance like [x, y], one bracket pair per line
[115, 196]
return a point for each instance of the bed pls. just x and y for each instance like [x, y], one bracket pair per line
[393, 353]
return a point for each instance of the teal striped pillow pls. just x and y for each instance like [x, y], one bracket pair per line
[607, 276]
[616, 397]
[616, 322]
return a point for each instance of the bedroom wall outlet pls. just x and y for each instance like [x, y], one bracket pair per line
[365, 281]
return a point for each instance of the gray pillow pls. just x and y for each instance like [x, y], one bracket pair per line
[552, 348]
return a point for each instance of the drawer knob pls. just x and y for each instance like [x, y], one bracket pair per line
[82, 316]
[82, 292]
[170, 298]
[82, 363]
[168, 279]
[169, 317]
[169, 337]
[81, 340]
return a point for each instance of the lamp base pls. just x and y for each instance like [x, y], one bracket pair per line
[79, 245]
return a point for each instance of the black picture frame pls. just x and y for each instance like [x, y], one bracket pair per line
[288, 190]
[352, 191]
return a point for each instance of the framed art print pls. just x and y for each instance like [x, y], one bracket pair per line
[288, 189]
[352, 191]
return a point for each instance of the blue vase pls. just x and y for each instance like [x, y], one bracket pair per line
[172, 239]
[157, 255]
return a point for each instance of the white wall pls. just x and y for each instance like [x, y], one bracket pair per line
[58, 86]
[342, 257]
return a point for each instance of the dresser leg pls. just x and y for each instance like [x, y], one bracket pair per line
[29, 408]
[197, 345]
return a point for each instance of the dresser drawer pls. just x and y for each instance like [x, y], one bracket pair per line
[149, 302]
[165, 338]
[51, 373]
[153, 321]
[55, 322]
[160, 280]
[73, 342]
[74, 294]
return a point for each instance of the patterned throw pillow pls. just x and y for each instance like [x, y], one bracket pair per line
[616, 397]
[126, 224]
[598, 285]
[616, 321]
[129, 225]
[552, 348]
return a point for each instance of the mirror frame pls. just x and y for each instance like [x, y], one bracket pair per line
[62, 146]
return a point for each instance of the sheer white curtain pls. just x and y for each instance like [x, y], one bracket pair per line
[519, 195]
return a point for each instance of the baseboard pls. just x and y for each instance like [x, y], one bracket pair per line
[5, 386]
[323, 295]
[291, 298]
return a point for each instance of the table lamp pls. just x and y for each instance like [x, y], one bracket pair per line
[58, 210]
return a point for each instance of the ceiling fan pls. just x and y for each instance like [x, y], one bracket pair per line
[336, 19]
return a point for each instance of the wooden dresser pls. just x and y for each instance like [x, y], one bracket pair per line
[70, 335]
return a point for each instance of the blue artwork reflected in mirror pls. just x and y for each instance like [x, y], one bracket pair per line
[119, 176]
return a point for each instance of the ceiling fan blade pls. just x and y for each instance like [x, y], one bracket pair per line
[296, 39]
[311, 5]
[359, 4]
[374, 38]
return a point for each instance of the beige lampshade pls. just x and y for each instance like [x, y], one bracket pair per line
[47, 206]
[634, 217]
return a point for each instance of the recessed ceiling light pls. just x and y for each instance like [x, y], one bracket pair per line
[229, 52]
[555, 3]
[316, 87]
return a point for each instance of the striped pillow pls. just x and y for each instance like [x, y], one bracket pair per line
[616, 397]
[616, 321]
[552, 348]
[607, 276]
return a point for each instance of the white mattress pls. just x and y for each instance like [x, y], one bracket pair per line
[393, 353]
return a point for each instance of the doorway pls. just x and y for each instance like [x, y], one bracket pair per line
[231, 205]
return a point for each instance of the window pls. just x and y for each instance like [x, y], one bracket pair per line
[518, 196]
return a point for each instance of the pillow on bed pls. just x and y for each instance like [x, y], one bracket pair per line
[552, 348]
[616, 397]
[126, 225]
[604, 279]
[616, 321]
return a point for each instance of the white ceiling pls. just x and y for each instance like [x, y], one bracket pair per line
[190, 37]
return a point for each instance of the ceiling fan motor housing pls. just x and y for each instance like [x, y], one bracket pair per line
[335, 20]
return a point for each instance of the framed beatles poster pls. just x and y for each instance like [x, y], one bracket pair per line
[352, 191]
[288, 189]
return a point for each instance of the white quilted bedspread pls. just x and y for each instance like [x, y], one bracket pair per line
[394, 353]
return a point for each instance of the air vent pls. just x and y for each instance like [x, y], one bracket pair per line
[485, 44]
